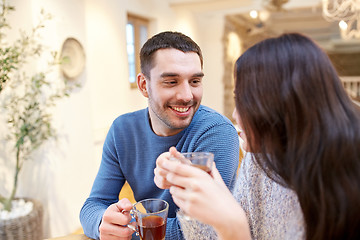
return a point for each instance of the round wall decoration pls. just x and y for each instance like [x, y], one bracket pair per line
[74, 58]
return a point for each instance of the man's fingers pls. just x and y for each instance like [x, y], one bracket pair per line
[114, 221]
[118, 213]
[116, 230]
[117, 218]
[124, 204]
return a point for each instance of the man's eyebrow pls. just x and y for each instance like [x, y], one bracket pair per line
[200, 74]
[170, 74]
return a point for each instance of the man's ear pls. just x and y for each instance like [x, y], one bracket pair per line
[141, 83]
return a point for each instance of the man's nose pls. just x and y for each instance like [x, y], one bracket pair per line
[184, 92]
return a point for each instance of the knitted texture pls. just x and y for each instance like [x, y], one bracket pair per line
[195, 230]
[273, 212]
[130, 152]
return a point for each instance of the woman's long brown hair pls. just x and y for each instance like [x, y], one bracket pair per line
[306, 129]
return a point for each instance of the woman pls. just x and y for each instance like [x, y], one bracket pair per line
[302, 178]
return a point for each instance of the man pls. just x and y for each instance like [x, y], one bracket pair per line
[171, 78]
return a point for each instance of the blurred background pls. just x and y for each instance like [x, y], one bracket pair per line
[108, 35]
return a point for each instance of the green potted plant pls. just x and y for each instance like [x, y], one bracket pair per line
[26, 99]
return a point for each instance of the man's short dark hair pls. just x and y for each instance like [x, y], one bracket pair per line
[165, 40]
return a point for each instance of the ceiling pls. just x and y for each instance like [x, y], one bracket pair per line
[212, 5]
[300, 15]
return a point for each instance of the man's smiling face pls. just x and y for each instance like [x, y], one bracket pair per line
[174, 90]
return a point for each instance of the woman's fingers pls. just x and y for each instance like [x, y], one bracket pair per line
[184, 198]
[160, 173]
[174, 152]
[160, 178]
[217, 177]
[178, 192]
[179, 168]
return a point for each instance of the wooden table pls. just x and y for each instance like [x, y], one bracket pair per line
[72, 237]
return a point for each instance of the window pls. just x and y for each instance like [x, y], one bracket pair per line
[136, 35]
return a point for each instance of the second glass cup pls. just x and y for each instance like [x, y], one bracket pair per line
[202, 160]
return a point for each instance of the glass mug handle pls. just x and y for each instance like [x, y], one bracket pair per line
[132, 227]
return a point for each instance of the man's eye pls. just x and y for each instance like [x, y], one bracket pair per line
[170, 82]
[196, 81]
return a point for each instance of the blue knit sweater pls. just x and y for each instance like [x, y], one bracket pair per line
[130, 152]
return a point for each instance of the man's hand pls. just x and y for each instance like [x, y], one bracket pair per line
[114, 221]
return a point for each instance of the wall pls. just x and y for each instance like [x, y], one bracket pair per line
[211, 44]
[62, 174]
[207, 19]
[57, 176]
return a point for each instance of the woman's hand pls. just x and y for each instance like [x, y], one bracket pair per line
[197, 193]
[205, 198]
[161, 173]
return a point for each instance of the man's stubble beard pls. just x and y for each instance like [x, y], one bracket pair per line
[161, 114]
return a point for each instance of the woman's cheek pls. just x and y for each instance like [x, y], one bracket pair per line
[243, 143]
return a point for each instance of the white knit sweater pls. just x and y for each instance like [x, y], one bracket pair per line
[273, 211]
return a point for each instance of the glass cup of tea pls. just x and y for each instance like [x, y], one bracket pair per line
[150, 216]
[202, 160]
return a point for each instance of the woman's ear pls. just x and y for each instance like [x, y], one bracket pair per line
[141, 83]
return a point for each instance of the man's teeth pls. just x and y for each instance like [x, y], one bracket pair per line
[180, 109]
